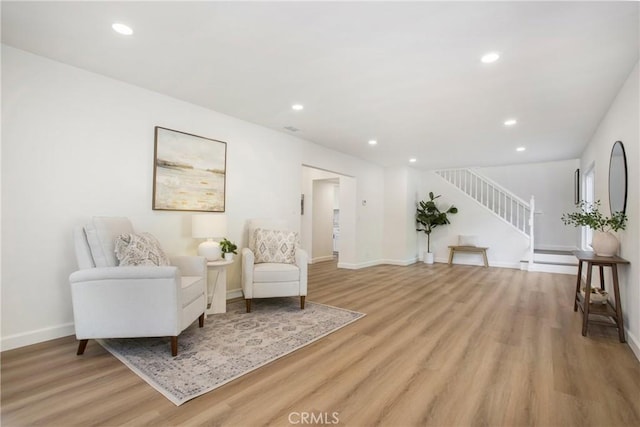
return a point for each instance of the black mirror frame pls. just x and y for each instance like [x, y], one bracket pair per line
[626, 176]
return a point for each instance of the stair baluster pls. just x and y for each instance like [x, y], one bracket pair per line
[485, 191]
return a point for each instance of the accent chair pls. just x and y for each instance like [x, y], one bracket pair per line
[115, 301]
[273, 265]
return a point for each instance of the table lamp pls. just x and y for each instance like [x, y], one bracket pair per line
[209, 227]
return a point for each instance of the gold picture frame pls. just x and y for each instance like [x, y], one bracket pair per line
[189, 172]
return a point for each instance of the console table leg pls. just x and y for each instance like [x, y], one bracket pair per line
[616, 293]
[587, 297]
[578, 281]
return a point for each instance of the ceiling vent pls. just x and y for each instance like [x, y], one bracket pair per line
[291, 128]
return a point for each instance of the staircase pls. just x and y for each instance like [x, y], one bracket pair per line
[514, 211]
[552, 261]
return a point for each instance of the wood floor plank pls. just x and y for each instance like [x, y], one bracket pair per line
[440, 346]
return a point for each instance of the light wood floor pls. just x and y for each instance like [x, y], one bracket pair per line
[440, 346]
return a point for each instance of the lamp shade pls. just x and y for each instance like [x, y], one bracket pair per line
[208, 226]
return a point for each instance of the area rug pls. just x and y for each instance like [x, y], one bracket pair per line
[228, 346]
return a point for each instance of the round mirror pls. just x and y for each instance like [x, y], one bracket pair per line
[618, 179]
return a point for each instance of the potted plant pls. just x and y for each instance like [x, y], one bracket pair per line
[428, 217]
[228, 249]
[604, 242]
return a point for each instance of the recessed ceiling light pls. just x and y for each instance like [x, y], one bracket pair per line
[490, 57]
[372, 142]
[520, 149]
[122, 29]
[510, 122]
[297, 107]
[413, 160]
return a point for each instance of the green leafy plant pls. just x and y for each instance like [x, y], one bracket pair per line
[429, 216]
[228, 247]
[590, 216]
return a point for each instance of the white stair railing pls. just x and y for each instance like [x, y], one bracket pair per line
[502, 202]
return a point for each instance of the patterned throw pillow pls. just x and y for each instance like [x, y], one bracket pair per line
[275, 246]
[139, 249]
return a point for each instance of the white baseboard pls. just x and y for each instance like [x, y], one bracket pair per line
[234, 293]
[321, 259]
[480, 263]
[34, 337]
[551, 268]
[401, 262]
[556, 248]
[350, 266]
[634, 343]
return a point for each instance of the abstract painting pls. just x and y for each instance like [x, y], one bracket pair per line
[189, 172]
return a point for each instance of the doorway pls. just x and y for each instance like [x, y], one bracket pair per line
[325, 219]
[328, 221]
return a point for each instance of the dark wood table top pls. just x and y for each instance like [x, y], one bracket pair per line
[592, 257]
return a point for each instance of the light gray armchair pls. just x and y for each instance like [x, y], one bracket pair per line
[111, 301]
[272, 279]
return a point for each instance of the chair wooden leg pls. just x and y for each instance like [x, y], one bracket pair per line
[248, 302]
[201, 320]
[301, 302]
[174, 346]
[82, 344]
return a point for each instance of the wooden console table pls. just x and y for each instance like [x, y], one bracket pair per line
[608, 310]
[469, 249]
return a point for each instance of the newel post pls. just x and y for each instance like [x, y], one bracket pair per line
[532, 208]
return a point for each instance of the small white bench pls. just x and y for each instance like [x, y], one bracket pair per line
[468, 249]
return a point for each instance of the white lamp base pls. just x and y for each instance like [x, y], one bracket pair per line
[210, 250]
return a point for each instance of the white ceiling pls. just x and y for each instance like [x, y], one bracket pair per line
[405, 73]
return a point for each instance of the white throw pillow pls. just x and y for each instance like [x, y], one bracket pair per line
[467, 240]
[275, 246]
[139, 249]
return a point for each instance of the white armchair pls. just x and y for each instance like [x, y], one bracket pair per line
[111, 301]
[272, 279]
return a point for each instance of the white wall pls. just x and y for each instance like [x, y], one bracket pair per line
[323, 201]
[348, 255]
[400, 237]
[507, 246]
[551, 183]
[622, 123]
[76, 144]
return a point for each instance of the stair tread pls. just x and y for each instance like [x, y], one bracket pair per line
[552, 252]
[554, 263]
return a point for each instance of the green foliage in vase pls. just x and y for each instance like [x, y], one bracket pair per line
[227, 247]
[590, 216]
[429, 216]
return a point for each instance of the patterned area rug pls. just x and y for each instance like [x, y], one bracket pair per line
[228, 346]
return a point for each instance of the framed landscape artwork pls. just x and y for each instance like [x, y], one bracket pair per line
[189, 172]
